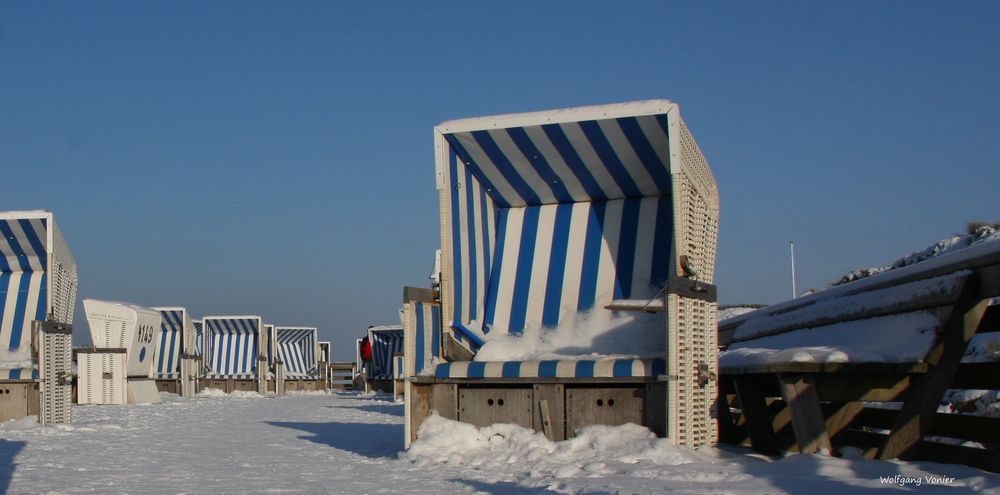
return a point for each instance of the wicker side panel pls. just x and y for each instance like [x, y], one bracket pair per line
[692, 361]
[55, 374]
[692, 351]
[699, 208]
[62, 278]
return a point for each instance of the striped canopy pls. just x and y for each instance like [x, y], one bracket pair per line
[550, 214]
[385, 341]
[168, 352]
[568, 162]
[199, 337]
[232, 345]
[296, 348]
[23, 290]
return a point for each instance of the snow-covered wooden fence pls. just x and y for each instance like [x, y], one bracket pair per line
[875, 364]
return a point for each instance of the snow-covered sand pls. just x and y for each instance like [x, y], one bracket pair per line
[349, 443]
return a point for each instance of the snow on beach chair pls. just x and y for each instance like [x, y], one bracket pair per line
[868, 363]
[297, 351]
[238, 353]
[386, 340]
[38, 282]
[177, 353]
[592, 232]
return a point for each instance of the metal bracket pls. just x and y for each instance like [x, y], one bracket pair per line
[668, 378]
[693, 289]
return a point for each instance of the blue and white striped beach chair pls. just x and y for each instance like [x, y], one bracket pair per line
[386, 340]
[296, 348]
[237, 350]
[38, 282]
[552, 218]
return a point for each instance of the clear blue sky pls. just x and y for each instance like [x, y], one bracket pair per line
[276, 159]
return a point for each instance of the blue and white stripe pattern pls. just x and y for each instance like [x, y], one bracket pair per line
[232, 344]
[584, 368]
[296, 348]
[168, 352]
[386, 341]
[398, 367]
[426, 334]
[23, 291]
[199, 336]
[551, 220]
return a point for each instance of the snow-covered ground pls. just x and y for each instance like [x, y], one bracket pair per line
[349, 443]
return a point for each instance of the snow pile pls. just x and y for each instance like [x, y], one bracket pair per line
[589, 334]
[349, 443]
[595, 451]
[16, 359]
[978, 234]
[628, 459]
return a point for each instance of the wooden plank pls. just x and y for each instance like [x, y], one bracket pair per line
[546, 419]
[610, 382]
[840, 416]
[862, 388]
[656, 408]
[800, 395]
[986, 459]
[920, 407]
[755, 411]
[554, 394]
[731, 431]
[587, 406]
[420, 399]
[929, 303]
[983, 429]
[444, 400]
[853, 368]
[991, 320]
[453, 351]
[989, 281]
[419, 294]
[977, 376]
[492, 405]
[986, 266]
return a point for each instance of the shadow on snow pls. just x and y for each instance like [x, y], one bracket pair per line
[502, 488]
[390, 409]
[370, 440]
[8, 451]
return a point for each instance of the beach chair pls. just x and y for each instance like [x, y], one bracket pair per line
[596, 223]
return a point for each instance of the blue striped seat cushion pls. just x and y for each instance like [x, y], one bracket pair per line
[238, 376]
[584, 368]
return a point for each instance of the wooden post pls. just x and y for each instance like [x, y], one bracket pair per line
[758, 418]
[802, 401]
[917, 413]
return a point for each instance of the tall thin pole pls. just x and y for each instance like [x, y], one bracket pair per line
[791, 245]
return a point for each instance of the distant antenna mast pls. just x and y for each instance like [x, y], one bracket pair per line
[791, 245]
